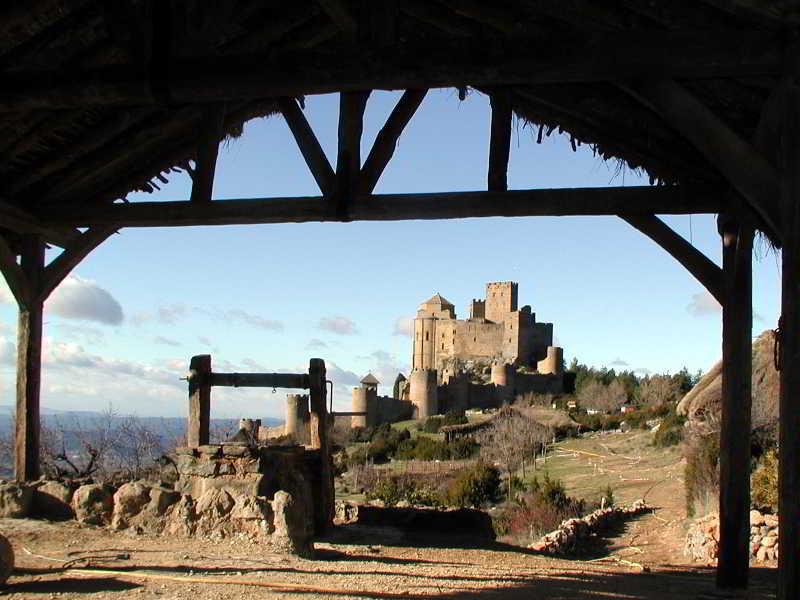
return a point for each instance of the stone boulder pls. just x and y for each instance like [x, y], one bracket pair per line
[182, 518]
[293, 530]
[93, 504]
[252, 515]
[16, 500]
[6, 560]
[161, 499]
[52, 500]
[129, 500]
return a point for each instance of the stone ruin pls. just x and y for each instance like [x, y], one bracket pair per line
[702, 539]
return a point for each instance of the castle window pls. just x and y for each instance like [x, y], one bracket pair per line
[442, 346]
[427, 336]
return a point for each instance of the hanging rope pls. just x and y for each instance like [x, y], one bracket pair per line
[776, 349]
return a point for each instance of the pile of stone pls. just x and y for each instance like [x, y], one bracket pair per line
[143, 507]
[702, 539]
[573, 532]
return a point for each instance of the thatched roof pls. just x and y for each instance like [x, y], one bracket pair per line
[103, 98]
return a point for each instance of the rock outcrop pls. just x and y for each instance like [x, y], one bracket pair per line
[16, 500]
[53, 500]
[702, 539]
[93, 504]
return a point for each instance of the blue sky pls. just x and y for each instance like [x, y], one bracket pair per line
[268, 297]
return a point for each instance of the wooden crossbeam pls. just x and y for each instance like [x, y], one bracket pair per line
[348, 159]
[613, 56]
[640, 200]
[499, 144]
[340, 14]
[746, 169]
[387, 138]
[61, 266]
[16, 219]
[698, 264]
[309, 145]
[14, 276]
[207, 150]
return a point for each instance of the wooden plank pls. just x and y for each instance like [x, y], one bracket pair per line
[309, 145]
[62, 265]
[386, 141]
[207, 149]
[746, 169]
[29, 366]
[610, 57]
[264, 380]
[197, 426]
[735, 425]
[348, 159]
[698, 264]
[636, 200]
[324, 506]
[499, 144]
[789, 430]
[13, 274]
[340, 14]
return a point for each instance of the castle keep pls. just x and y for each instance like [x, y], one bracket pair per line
[496, 331]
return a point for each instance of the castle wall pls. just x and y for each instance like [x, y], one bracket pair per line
[501, 299]
[390, 410]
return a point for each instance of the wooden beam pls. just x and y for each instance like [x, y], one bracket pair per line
[21, 221]
[13, 274]
[387, 138]
[207, 149]
[197, 426]
[640, 200]
[340, 14]
[309, 145]
[61, 266]
[747, 170]
[348, 159]
[698, 264]
[499, 144]
[601, 57]
[736, 400]
[789, 339]
[266, 380]
[324, 505]
[29, 365]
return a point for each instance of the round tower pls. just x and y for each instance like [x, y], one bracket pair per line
[364, 400]
[296, 411]
[423, 392]
[551, 364]
[503, 374]
[424, 342]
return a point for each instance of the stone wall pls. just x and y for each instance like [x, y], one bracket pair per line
[702, 540]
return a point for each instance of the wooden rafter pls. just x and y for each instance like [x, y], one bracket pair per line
[14, 276]
[22, 221]
[387, 138]
[742, 165]
[698, 264]
[499, 144]
[207, 150]
[348, 159]
[60, 267]
[309, 145]
[340, 14]
[615, 56]
[641, 200]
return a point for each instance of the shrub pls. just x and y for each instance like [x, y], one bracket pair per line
[475, 486]
[701, 473]
[423, 448]
[455, 417]
[463, 448]
[433, 424]
[607, 499]
[393, 488]
[670, 432]
[764, 482]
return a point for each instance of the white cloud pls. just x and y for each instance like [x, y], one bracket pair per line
[5, 294]
[8, 352]
[84, 300]
[339, 325]
[316, 343]
[165, 341]
[618, 362]
[252, 320]
[404, 326]
[169, 315]
[703, 304]
[340, 377]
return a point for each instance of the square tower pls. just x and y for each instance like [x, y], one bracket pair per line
[501, 299]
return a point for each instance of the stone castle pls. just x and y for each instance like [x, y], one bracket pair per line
[483, 361]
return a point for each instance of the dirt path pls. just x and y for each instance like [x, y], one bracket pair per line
[380, 566]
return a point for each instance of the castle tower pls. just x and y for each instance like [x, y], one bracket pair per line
[430, 311]
[501, 299]
[400, 384]
[503, 374]
[296, 417]
[551, 364]
[364, 400]
[424, 392]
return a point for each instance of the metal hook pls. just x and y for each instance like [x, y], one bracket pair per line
[274, 390]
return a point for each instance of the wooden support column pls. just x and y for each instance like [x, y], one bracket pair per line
[499, 144]
[348, 160]
[309, 145]
[789, 429]
[197, 428]
[323, 516]
[29, 362]
[207, 150]
[734, 460]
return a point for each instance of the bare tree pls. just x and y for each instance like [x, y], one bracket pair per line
[605, 398]
[658, 390]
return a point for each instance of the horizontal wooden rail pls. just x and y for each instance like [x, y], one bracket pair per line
[265, 380]
[348, 414]
[634, 200]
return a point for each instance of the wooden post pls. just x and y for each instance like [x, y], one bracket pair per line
[499, 144]
[734, 459]
[29, 362]
[789, 429]
[323, 517]
[348, 161]
[197, 430]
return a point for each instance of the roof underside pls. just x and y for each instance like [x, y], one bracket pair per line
[67, 141]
